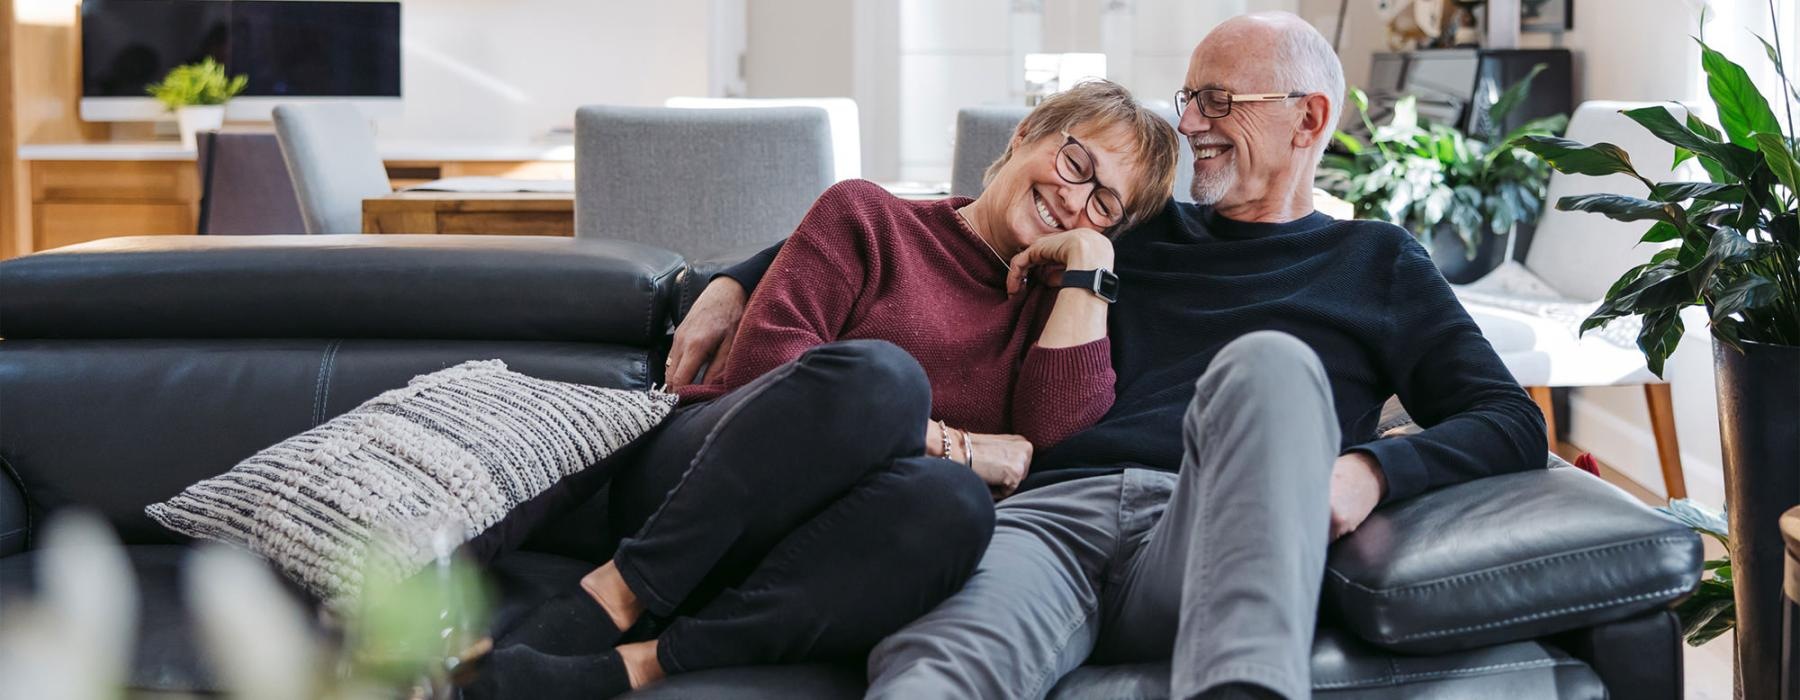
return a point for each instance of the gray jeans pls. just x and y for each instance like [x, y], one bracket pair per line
[1218, 567]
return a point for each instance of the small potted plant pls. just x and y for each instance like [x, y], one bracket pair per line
[1452, 190]
[197, 93]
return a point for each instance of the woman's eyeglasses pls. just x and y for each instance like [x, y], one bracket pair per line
[1216, 104]
[1075, 165]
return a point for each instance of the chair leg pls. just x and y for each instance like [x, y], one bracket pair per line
[1668, 449]
[1541, 394]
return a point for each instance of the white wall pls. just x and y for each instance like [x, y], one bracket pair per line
[511, 71]
[800, 48]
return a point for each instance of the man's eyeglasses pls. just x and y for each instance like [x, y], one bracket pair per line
[1075, 165]
[1216, 104]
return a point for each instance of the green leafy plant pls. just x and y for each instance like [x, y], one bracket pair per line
[1425, 176]
[202, 83]
[1739, 241]
[1712, 609]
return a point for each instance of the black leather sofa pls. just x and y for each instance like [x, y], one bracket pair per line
[133, 367]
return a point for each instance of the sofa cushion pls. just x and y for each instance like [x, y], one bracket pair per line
[453, 452]
[354, 286]
[115, 425]
[1502, 559]
[1343, 669]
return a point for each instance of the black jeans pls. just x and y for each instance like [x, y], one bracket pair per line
[795, 519]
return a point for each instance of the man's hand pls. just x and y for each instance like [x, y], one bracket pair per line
[704, 336]
[1356, 488]
[1000, 460]
[1076, 249]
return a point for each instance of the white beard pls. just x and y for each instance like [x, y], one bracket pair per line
[1210, 187]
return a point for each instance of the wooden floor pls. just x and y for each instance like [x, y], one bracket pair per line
[1707, 668]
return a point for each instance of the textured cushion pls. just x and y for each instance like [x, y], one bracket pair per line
[1537, 333]
[458, 448]
[1509, 557]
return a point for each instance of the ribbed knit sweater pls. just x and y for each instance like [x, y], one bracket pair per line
[866, 264]
[1363, 295]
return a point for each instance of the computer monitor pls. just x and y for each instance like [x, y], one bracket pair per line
[292, 51]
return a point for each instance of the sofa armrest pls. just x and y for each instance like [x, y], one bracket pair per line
[1509, 557]
[702, 267]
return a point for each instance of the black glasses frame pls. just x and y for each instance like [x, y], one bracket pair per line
[1184, 97]
[1100, 217]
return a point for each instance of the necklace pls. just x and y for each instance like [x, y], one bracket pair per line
[983, 239]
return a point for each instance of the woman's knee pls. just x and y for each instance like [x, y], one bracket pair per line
[947, 508]
[878, 373]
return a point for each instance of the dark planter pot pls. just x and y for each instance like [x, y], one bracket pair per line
[1759, 428]
[1452, 257]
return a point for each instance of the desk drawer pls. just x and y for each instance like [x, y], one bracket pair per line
[168, 182]
[57, 225]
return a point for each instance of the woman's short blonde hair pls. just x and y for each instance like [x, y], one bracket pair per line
[1108, 106]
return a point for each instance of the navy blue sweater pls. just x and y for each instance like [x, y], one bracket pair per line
[1364, 295]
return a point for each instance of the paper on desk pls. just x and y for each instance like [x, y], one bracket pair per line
[494, 184]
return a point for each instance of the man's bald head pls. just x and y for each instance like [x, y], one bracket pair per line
[1293, 53]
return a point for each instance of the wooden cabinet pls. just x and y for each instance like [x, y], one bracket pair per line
[77, 201]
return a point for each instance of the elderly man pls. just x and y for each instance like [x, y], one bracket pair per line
[1255, 341]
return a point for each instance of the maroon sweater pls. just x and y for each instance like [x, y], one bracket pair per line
[867, 264]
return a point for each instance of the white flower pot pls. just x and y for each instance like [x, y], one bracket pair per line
[194, 119]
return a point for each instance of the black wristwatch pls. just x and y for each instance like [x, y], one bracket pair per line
[1102, 282]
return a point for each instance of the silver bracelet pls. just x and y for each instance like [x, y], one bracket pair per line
[969, 449]
[944, 437]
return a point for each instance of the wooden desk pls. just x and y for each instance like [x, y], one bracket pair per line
[499, 213]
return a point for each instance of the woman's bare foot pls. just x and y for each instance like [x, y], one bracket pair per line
[641, 664]
[609, 590]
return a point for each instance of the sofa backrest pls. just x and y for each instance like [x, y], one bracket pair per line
[134, 367]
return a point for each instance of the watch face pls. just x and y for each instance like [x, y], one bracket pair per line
[1107, 286]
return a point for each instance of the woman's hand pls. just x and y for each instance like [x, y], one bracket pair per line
[1000, 460]
[1075, 249]
[704, 336]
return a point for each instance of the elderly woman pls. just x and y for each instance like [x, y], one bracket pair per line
[893, 372]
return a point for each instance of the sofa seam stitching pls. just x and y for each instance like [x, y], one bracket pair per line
[1501, 570]
[1536, 616]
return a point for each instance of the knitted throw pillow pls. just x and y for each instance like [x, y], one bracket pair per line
[368, 491]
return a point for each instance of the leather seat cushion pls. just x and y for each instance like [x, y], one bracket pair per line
[1499, 559]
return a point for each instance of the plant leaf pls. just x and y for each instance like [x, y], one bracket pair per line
[1661, 333]
[1619, 207]
[1727, 247]
[1742, 109]
[1737, 160]
[1746, 293]
[1576, 158]
[1684, 191]
[1661, 232]
[1780, 157]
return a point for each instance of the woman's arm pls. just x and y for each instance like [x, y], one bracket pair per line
[807, 295]
[1066, 381]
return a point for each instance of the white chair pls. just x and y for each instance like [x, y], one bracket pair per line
[846, 127]
[1532, 313]
[331, 156]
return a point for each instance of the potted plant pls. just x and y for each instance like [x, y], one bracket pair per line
[197, 93]
[1434, 180]
[1739, 257]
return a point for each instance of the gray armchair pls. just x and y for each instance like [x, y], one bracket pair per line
[698, 180]
[330, 154]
